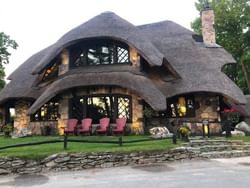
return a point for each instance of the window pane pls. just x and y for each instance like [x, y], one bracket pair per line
[93, 58]
[181, 106]
[123, 108]
[99, 53]
[80, 60]
[122, 55]
[104, 55]
[99, 107]
[48, 112]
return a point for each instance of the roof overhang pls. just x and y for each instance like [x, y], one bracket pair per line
[140, 85]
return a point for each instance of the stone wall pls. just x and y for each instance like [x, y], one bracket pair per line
[43, 128]
[207, 108]
[21, 119]
[80, 161]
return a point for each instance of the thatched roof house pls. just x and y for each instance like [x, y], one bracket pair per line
[109, 67]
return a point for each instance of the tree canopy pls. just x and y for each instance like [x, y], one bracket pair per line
[6, 43]
[232, 26]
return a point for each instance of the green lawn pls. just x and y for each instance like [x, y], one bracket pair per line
[243, 138]
[40, 151]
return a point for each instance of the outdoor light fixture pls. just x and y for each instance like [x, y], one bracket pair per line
[205, 128]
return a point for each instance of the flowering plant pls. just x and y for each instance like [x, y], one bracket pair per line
[232, 115]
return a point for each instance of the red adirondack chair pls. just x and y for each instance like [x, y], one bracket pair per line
[104, 126]
[120, 126]
[86, 126]
[71, 126]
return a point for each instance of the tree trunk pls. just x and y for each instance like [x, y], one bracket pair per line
[244, 69]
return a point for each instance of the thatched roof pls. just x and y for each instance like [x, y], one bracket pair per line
[106, 25]
[140, 85]
[198, 67]
[21, 80]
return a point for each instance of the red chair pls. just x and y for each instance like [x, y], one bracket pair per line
[104, 126]
[71, 126]
[120, 126]
[86, 126]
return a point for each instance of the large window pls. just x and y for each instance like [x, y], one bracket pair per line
[48, 112]
[100, 52]
[97, 107]
[181, 106]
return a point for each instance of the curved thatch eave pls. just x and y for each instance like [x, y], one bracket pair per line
[181, 49]
[21, 82]
[141, 85]
[201, 81]
[105, 25]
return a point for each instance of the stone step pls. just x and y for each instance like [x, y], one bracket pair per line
[198, 143]
[208, 148]
[225, 154]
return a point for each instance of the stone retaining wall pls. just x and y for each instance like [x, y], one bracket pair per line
[80, 161]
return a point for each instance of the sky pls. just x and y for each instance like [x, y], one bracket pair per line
[36, 24]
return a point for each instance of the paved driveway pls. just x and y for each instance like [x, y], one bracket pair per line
[226, 173]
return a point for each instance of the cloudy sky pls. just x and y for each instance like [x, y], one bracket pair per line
[35, 24]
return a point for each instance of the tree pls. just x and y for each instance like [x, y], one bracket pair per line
[232, 25]
[6, 43]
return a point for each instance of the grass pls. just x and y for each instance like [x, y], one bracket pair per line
[41, 151]
[243, 138]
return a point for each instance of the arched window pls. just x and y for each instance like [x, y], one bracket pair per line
[99, 52]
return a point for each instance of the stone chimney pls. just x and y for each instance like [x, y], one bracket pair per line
[208, 31]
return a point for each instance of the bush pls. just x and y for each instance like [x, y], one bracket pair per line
[184, 133]
[7, 129]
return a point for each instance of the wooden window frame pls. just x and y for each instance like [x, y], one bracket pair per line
[84, 49]
[50, 112]
[115, 107]
[174, 100]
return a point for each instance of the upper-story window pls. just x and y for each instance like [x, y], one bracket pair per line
[99, 52]
[51, 72]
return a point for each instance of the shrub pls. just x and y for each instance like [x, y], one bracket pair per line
[184, 133]
[7, 129]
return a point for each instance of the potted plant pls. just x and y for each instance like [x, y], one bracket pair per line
[184, 133]
[7, 129]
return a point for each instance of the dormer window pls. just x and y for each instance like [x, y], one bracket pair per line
[51, 72]
[99, 52]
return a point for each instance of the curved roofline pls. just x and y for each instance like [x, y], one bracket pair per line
[141, 85]
[104, 25]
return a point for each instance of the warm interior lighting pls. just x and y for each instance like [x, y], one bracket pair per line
[133, 55]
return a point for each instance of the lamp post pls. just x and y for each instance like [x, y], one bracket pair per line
[205, 128]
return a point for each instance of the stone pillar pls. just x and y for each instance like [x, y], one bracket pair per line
[21, 119]
[64, 66]
[64, 113]
[137, 121]
[208, 31]
[134, 57]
